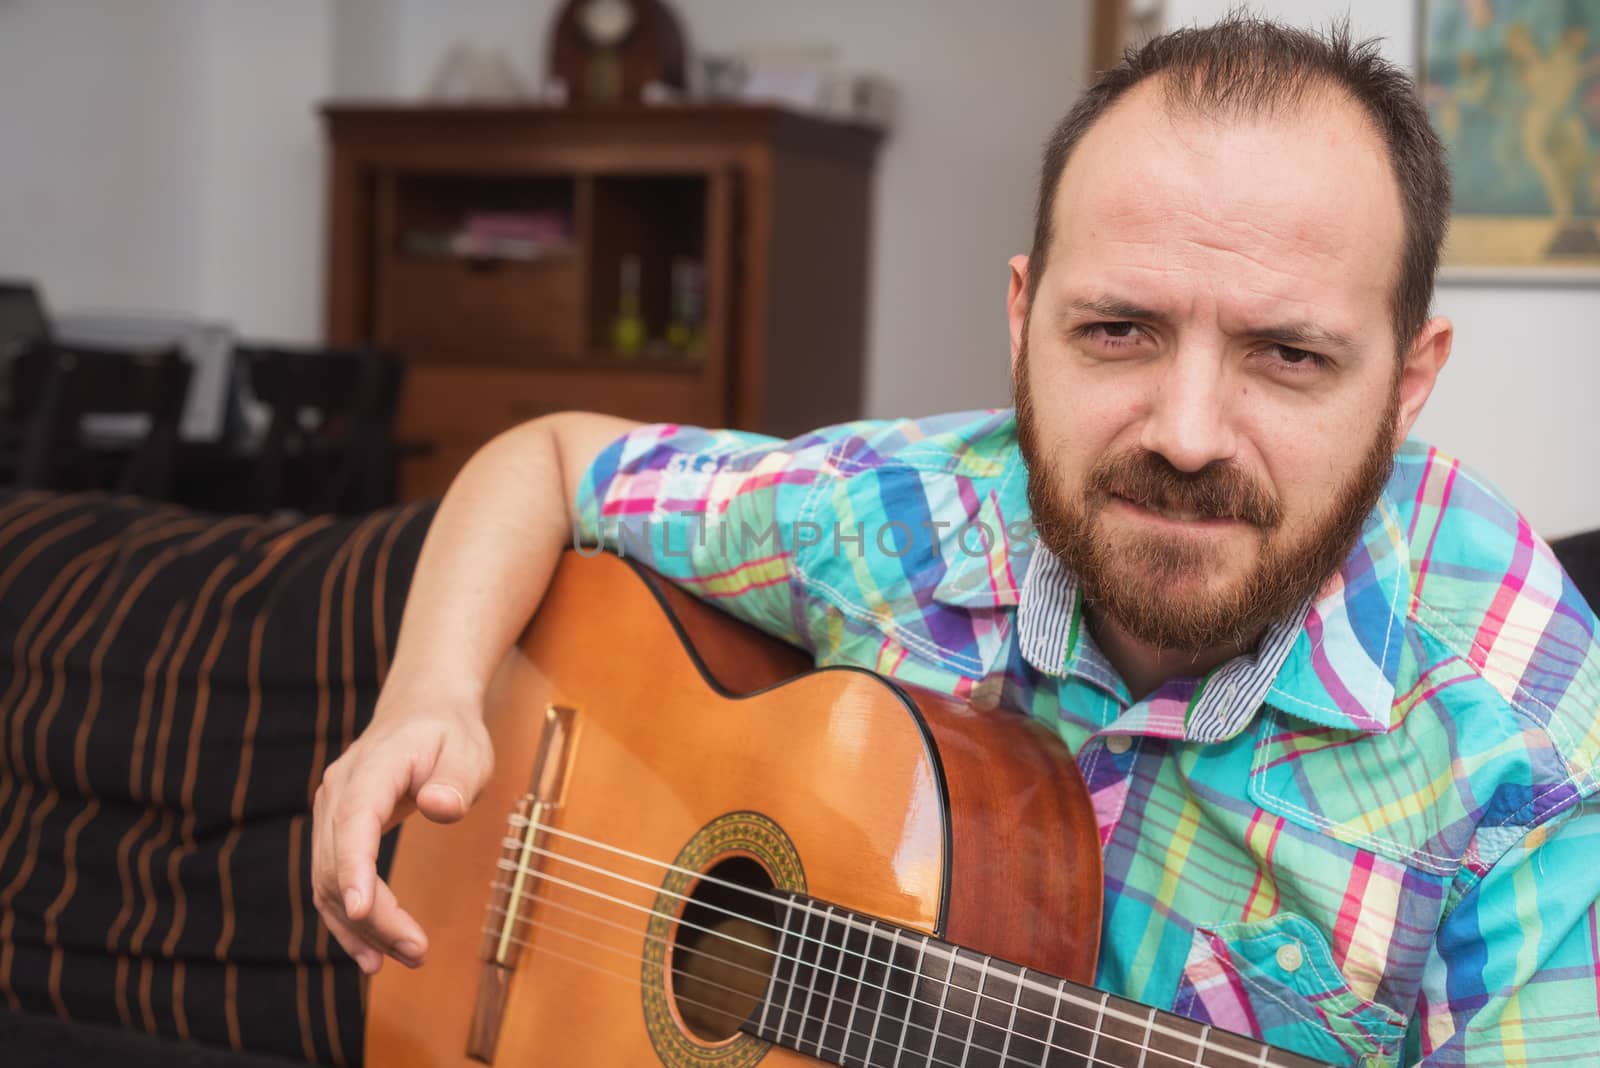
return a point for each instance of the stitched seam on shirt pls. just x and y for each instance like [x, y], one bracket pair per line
[1553, 725]
[837, 461]
[1440, 620]
[1383, 662]
[1394, 605]
[1338, 983]
[1275, 692]
[1254, 983]
[1442, 865]
[1095, 673]
[910, 639]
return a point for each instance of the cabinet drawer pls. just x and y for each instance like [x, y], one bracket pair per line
[466, 405]
[501, 311]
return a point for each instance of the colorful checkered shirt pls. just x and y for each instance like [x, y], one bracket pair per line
[1375, 840]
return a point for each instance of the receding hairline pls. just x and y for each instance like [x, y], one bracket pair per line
[1317, 94]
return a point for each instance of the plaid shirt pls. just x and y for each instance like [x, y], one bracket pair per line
[1375, 840]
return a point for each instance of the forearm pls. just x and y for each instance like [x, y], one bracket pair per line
[489, 555]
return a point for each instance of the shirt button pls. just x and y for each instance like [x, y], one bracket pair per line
[1289, 956]
[1118, 743]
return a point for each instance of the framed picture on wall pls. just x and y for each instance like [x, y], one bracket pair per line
[1120, 24]
[1513, 87]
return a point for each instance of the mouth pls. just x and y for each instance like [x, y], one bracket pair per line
[1173, 516]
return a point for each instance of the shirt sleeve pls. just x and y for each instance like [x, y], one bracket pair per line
[1514, 977]
[714, 511]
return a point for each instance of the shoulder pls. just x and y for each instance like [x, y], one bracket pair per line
[1488, 590]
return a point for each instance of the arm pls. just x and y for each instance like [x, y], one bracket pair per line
[1514, 977]
[483, 570]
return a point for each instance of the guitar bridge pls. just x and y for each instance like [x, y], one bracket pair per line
[511, 903]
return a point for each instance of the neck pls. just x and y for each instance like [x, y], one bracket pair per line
[1145, 667]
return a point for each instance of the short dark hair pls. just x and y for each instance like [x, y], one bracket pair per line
[1247, 65]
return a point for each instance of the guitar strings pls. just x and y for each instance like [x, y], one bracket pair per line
[1149, 1025]
[930, 1057]
[1202, 1043]
[949, 955]
[820, 1046]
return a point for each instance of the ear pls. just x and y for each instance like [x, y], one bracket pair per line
[1017, 305]
[1424, 360]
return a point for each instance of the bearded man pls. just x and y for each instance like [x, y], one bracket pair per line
[1334, 701]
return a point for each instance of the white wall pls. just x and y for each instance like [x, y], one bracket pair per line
[102, 126]
[165, 155]
[1517, 399]
[265, 68]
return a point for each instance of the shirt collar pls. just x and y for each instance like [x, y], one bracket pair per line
[1332, 661]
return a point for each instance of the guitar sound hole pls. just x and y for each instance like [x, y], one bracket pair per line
[720, 962]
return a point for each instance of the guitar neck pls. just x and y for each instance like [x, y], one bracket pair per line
[850, 990]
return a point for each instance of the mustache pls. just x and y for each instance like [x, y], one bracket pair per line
[1217, 491]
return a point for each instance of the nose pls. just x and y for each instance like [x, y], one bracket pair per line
[1189, 422]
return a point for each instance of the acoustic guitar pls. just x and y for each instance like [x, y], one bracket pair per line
[696, 850]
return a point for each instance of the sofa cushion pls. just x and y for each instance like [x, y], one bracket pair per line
[1580, 556]
[172, 685]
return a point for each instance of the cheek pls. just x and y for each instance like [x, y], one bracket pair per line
[1089, 412]
[1306, 456]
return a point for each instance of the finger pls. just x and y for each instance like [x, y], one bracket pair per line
[393, 929]
[458, 774]
[359, 817]
[324, 872]
[368, 957]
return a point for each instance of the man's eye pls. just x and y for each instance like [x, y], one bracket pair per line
[1299, 357]
[1123, 333]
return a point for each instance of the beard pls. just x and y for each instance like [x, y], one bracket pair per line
[1145, 584]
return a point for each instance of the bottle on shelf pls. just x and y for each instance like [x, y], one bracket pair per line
[686, 326]
[627, 329]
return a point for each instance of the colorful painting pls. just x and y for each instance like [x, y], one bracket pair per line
[1514, 89]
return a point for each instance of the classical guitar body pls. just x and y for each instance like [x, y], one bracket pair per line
[696, 850]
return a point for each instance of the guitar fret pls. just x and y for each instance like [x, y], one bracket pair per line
[854, 1047]
[1050, 1036]
[818, 945]
[997, 1012]
[1099, 1024]
[783, 960]
[1066, 1038]
[827, 1008]
[1011, 1021]
[916, 981]
[838, 1016]
[977, 1005]
[938, 1019]
[800, 961]
[883, 994]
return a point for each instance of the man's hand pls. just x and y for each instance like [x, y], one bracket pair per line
[490, 551]
[430, 756]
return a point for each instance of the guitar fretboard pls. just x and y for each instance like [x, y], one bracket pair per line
[849, 990]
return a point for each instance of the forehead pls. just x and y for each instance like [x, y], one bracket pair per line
[1248, 215]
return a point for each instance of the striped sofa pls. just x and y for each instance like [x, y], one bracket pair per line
[172, 686]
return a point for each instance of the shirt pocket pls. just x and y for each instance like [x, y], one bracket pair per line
[1275, 979]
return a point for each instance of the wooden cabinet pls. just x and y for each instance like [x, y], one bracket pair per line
[768, 209]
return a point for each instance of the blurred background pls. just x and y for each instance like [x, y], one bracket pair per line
[736, 212]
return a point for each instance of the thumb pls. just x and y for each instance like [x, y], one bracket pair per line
[457, 776]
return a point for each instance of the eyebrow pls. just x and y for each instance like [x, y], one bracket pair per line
[1293, 334]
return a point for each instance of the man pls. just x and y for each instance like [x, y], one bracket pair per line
[1335, 702]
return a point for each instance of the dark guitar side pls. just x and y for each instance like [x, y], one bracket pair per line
[1013, 846]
